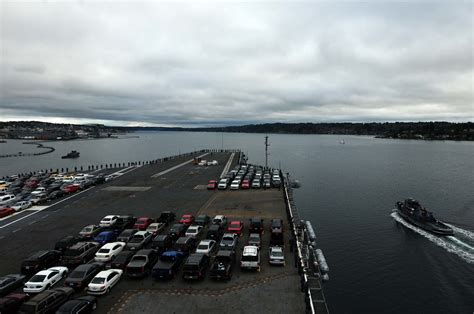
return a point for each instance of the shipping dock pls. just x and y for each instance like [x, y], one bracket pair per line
[179, 184]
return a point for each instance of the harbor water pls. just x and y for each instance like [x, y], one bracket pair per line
[378, 263]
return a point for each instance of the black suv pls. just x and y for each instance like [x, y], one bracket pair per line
[223, 265]
[177, 230]
[256, 225]
[202, 220]
[125, 222]
[215, 232]
[80, 277]
[166, 217]
[39, 261]
[121, 260]
[65, 243]
[195, 266]
[126, 235]
[185, 245]
[80, 253]
[162, 243]
[47, 301]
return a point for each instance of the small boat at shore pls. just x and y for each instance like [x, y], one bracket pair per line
[72, 154]
[412, 211]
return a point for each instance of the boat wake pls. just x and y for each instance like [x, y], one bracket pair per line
[461, 244]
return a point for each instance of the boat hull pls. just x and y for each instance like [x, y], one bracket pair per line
[440, 229]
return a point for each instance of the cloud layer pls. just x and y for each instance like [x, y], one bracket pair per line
[234, 63]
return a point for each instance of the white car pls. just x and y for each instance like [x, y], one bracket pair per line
[206, 247]
[156, 227]
[108, 221]
[276, 256]
[212, 163]
[21, 205]
[194, 231]
[38, 191]
[103, 282]
[235, 185]
[250, 258]
[219, 220]
[110, 177]
[45, 279]
[109, 251]
[222, 184]
[202, 163]
[6, 199]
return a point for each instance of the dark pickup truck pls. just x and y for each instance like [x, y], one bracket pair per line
[166, 217]
[141, 263]
[223, 265]
[168, 265]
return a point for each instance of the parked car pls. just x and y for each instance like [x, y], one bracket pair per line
[220, 220]
[7, 199]
[141, 263]
[202, 220]
[185, 245]
[126, 235]
[39, 261]
[47, 301]
[212, 185]
[125, 222]
[235, 185]
[80, 277]
[195, 266]
[276, 238]
[276, 225]
[103, 282]
[156, 227]
[105, 237]
[215, 232]
[267, 183]
[45, 279]
[256, 183]
[107, 252]
[250, 258]
[194, 231]
[254, 239]
[236, 227]
[206, 247]
[55, 194]
[168, 264]
[245, 184]
[256, 225]
[108, 221]
[85, 304]
[9, 283]
[176, 231]
[90, 231]
[223, 183]
[21, 205]
[66, 242]
[187, 219]
[276, 255]
[142, 223]
[162, 243]
[81, 252]
[166, 217]
[121, 260]
[71, 188]
[12, 302]
[6, 211]
[223, 265]
[229, 241]
[139, 240]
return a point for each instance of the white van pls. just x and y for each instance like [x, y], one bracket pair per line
[250, 258]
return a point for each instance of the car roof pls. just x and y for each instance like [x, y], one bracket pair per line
[250, 250]
[105, 233]
[276, 248]
[171, 253]
[84, 267]
[235, 222]
[207, 241]
[195, 258]
[37, 254]
[105, 273]
[218, 216]
[110, 216]
[141, 233]
[110, 245]
[183, 240]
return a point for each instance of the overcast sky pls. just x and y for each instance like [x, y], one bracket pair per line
[216, 63]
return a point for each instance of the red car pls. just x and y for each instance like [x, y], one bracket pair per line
[236, 227]
[212, 185]
[245, 184]
[6, 211]
[71, 188]
[142, 223]
[187, 220]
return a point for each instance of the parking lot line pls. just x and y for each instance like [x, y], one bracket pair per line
[227, 166]
[34, 221]
[156, 175]
[16, 230]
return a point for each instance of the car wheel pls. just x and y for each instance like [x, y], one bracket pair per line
[94, 306]
[48, 286]
[108, 290]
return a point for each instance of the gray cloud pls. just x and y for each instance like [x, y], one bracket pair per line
[231, 63]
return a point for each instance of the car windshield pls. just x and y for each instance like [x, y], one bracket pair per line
[277, 253]
[139, 258]
[71, 252]
[136, 239]
[87, 229]
[249, 258]
[37, 278]
[105, 251]
[254, 237]
[203, 247]
[106, 219]
[167, 258]
[227, 240]
[77, 274]
[98, 280]
[192, 231]
[234, 225]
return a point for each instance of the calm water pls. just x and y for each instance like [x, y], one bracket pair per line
[348, 191]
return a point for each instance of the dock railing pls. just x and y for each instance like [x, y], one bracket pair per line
[305, 260]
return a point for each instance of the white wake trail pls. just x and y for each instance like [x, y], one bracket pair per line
[466, 233]
[455, 247]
